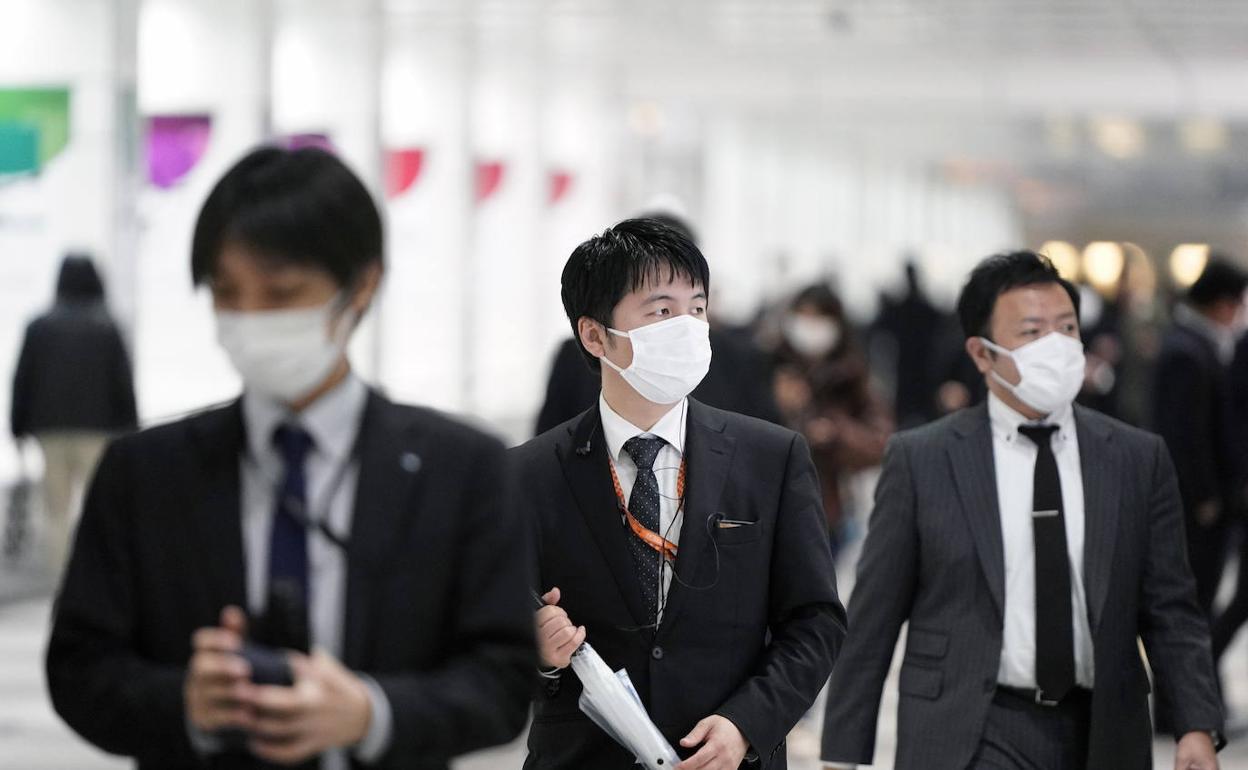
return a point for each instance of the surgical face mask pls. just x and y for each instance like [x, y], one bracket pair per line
[812, 337]
[1051, 368]
[284, 354]
[670, 358]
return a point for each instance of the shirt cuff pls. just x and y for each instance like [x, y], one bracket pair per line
[203, 743]
[380, 725]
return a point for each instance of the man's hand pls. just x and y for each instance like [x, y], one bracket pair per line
[557, 638]
[1196, 752]
[328, 707]
[723, 745]
[217, 678]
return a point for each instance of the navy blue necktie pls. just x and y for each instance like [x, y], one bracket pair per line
[643, 504]
[288, 540]
[1055, 636]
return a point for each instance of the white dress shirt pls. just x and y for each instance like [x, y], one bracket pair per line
[1015, 458]
[331, 471]
[671, 428]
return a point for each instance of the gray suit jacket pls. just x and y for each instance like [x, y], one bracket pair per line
[934, 557]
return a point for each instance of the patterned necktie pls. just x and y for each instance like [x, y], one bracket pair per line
[289, 595]
[643, 504]
[1055, 636]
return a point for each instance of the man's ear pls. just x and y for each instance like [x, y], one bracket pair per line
[593, 336]
[366, 288]
[980, 355]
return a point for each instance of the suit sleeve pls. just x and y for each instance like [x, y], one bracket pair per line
[1174, 630]
[479, 696]
[100, 683]
[881, 602]
[807, 621]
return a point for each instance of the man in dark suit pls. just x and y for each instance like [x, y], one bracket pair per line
[368, 541]
[1028, 543]
[739, 378]
[1192, 411]
[685, 542]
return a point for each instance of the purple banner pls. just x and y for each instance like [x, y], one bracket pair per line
[175, 143]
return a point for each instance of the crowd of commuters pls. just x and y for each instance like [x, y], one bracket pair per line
[313, 575]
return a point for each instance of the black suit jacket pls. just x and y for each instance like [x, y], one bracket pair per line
[751, 629]
[739, 380]
[934, 556]
[1193, 412]
[436, 604]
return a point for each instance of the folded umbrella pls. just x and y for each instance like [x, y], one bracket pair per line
[610, 700]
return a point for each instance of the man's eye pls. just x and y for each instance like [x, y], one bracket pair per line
[699, 310]
[662, 312]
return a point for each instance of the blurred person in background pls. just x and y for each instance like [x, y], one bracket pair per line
[1192, 411]
[365, 544]
[738, 381]
[1030, 544]
[720, 604]
[1231, 618]
[824, 391]
[905, 350]
[72, 391]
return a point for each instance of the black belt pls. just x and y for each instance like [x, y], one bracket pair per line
[1034, 696]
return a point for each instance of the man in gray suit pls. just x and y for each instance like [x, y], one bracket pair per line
[1029, 542]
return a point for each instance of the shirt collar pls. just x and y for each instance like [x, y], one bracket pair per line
[617, 430]
[1005, 420]
[333, 420]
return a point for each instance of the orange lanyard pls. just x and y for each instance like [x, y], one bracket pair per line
[653, 539]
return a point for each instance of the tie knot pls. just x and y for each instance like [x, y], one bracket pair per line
[293, 442]
[644, 450]
[1039, 434]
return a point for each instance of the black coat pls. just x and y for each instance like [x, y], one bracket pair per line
[752, 626]
[1193, 412]
[436, 601]
[73, 374]
[739, 380]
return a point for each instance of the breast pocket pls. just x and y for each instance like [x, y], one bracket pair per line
[728, 530]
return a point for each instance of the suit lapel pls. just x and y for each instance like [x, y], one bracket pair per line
[975, 476]
[217, 517]
[588, 473]
[389, 453]
[1098, 466]
[708, 456]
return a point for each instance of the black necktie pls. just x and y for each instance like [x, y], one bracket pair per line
[288, 595]
[643, 504]
[1055, 637]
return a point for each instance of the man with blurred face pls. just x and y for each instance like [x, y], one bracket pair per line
[311, 575]
[686, 543]
[1028, 542]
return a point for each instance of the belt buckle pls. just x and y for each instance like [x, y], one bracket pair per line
[1042, 701]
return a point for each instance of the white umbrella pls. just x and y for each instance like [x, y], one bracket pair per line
[611, 701]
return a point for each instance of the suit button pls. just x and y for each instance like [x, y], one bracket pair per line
[657, 653]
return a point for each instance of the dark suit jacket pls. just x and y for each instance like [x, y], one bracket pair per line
[739, 380]
[436, 607]
[73, 374]
[754, 624]
[933, 556]
[1192, 411]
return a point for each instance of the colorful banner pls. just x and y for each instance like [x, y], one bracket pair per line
[174, 145]
[403, 168]
[489, 178]
[560, 184]
[41, 113]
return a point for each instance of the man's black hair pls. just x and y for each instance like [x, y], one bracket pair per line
[1220, 280]
[995, 276]
[623, 259]
[303, 207]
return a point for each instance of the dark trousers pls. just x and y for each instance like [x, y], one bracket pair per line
[1207, 553]
[1022, 735]
[1236, 613]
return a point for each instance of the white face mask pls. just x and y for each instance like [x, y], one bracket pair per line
[1052, 370]
[284, 354]
[670, 358]
[812, 337]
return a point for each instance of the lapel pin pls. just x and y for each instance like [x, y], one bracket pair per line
[410, 462]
